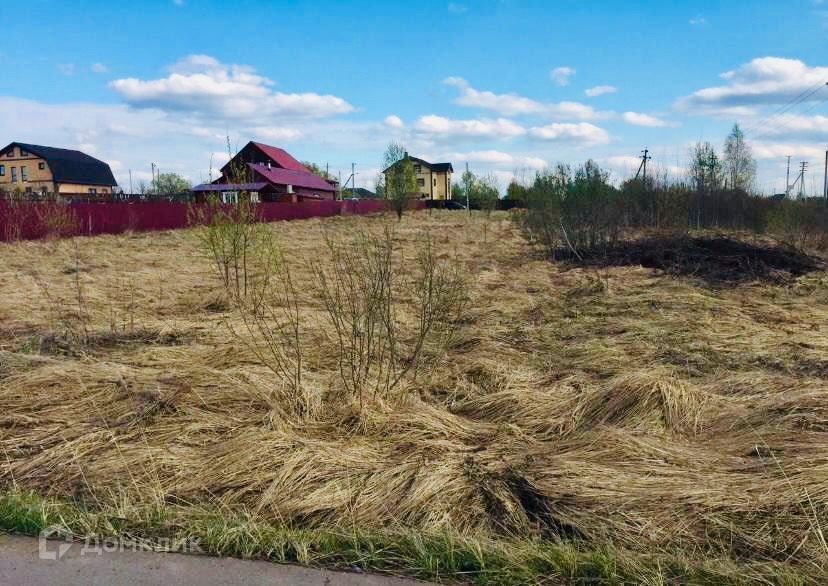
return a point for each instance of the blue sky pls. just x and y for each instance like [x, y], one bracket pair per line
[507, 85]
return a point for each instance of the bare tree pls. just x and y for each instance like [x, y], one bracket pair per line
[738, 160]
[400, 180]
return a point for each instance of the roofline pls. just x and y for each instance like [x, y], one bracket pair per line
[420, 161]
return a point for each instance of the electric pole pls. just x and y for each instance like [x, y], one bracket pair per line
[353, 179]
[803, 167]
[130, 182]
[643, 165]
[788, 178]
[467, 190]
[825, 183]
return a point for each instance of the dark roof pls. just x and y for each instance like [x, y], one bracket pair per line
[439, 167]
[290, 177]
[231, 186]
[70, 166]
[361, 192]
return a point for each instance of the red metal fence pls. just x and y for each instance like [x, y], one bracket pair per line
[31, 221]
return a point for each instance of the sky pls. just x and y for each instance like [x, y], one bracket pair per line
[508, 86]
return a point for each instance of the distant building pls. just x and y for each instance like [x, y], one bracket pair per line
[40, 170]
[433, 179]
[267, 173]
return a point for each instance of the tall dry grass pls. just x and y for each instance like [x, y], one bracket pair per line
[651, 413]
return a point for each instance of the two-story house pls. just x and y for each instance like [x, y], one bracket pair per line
[266, 173]
[34, 169]
[433, 179]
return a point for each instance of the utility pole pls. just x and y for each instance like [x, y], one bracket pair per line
[643, 165]
[353, 179]
[825, 184]
[788, 178]
[467, 191]
[130, 182]
[803, 167]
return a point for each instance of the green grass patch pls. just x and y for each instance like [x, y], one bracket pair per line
[438, 557]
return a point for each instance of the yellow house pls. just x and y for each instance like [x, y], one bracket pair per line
[433, 179]
[33, 169]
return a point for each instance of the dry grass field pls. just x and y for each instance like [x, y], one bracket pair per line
[617, 423]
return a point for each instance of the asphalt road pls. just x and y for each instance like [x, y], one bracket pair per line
[21, 563]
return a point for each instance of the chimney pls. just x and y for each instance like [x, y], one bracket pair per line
[269, 168]
[290, 188]
[405, 155]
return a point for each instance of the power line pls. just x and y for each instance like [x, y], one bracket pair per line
[802, 97]
[786, 120]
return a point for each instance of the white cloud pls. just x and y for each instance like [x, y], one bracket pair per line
[582, 133]
[561, 75]
[698, 21]
[66, 68]
[639, 119]
[762, 81]
[500, 159]
[600, 90]
[200, 84]
[513, 104]
[457, 8]
[780, 150]
[178, 2]
[443, 128]
[275, 133]
[99, 68]
[394, 122]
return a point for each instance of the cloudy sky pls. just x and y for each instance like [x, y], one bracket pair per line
[509, 86]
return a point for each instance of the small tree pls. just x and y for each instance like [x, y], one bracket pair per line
[318, 170]
[705, 168]
[168, 184]
[400, 180]
[486, 194]
[468, 180]
[738, 160]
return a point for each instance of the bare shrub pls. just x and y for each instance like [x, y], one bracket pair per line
[230, 237]
[57, 220]
[368, 291]
[270, 318]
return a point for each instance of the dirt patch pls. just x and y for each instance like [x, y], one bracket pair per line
[717, 260]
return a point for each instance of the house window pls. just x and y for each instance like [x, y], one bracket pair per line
[418, 168]
[14, 174]
[435, 183]
[28, 190]
[229, 197]
[421, 182]
[93, 191]
[10, 154]
[24, 173]
[254, 197]
[41, 166]
[23, 153]
[2, 170]
[43, 191]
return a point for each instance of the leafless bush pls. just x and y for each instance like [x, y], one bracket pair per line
[270, 317]
[368, 290]
[57, 220]
[231, 238]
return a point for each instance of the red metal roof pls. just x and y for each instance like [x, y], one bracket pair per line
[292, 177]
[281, 157]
